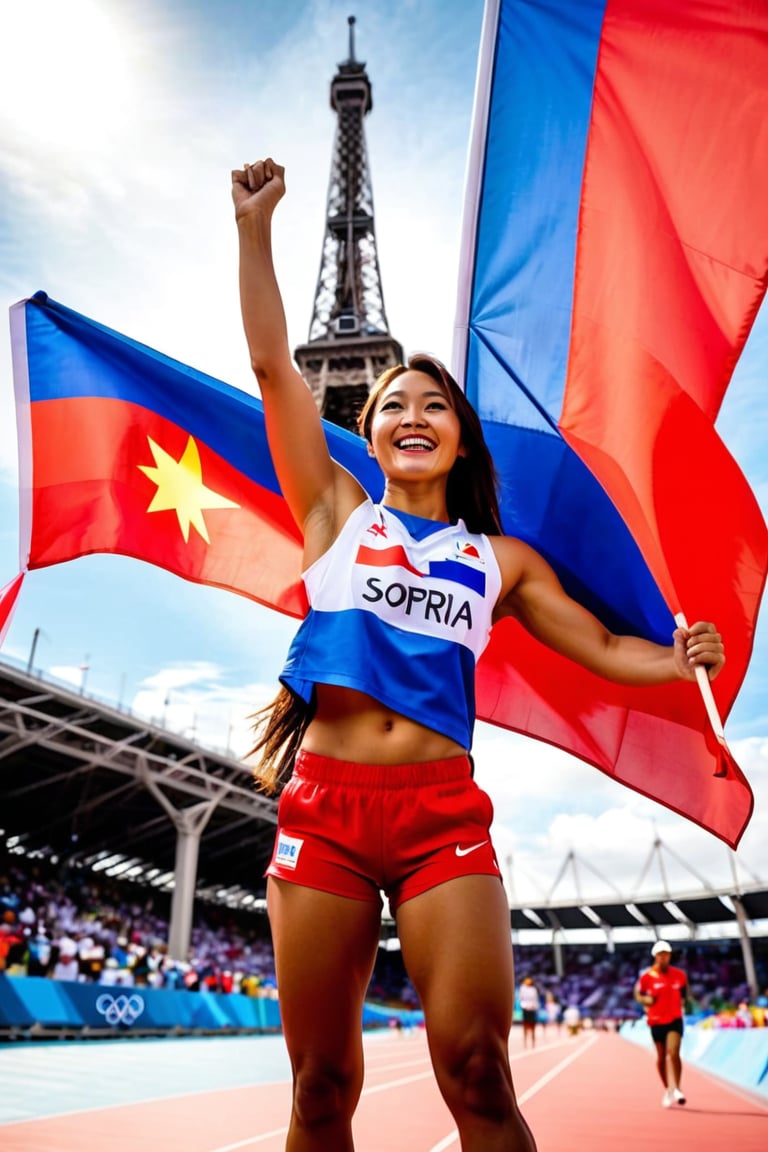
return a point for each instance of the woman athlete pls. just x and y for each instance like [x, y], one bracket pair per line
[373, 724]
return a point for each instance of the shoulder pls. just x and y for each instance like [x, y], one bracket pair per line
[518, 560]
[527, 580]
[515, 559]
[510, 549]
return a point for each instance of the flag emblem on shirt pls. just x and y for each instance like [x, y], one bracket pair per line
[450, 570]
[468, 549]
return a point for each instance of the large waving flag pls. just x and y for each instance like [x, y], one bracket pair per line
[124, 450]
[615, 256]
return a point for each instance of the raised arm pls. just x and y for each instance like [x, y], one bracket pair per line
[319, 493]
[534, 595]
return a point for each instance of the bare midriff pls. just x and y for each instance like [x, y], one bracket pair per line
[349, 725]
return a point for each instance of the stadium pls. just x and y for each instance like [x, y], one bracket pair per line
[129, 915]
[103, 810]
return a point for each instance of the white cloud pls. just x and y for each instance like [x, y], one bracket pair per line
[597, 838]
[75, 674]
[200, 701]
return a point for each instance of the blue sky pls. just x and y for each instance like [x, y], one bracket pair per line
[119, 124]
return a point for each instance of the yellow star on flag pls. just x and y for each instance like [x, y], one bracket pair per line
[180, 488]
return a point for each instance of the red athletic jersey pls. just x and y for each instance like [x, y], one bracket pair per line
[667, 989]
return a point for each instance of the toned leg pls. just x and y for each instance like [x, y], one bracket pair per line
[325, 948]
[458, 952]
[674, 1063]
[661, 1060]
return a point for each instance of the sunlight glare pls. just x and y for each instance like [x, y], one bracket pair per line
[66, 79]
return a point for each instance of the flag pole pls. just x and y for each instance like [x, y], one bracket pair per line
[706, 691]
[473, 180]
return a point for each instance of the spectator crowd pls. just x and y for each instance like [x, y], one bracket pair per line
[600, 983]
[71, 924]
[78, 927]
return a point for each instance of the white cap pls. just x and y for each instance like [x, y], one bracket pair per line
[660, 946]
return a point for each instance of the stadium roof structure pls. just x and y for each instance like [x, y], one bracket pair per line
[102, 788]
[692, 910]
[660, 908]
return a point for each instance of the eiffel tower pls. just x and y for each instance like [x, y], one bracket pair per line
[349, 342]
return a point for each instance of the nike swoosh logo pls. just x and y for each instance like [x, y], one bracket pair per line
[472, 848]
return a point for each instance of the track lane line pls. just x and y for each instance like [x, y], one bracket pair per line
[558, 1068]
[366, 1092]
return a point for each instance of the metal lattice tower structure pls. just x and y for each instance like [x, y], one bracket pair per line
[349, 342]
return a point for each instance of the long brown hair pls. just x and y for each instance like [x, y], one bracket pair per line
[471, 496]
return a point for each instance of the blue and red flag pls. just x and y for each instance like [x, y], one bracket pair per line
[124, 450]
[8, 597]
[615, 255]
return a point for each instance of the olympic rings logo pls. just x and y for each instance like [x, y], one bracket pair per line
[120, 1009]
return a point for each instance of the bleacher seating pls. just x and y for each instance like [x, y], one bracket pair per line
[75, 924]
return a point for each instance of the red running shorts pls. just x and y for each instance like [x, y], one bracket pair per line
[357, 829]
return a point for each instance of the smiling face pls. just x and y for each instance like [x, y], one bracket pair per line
[469, 492]
[415, 431]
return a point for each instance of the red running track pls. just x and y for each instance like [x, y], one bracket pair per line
[594, 1092]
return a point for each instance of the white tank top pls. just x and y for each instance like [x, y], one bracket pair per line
[401, 609]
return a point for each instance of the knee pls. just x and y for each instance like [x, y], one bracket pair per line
[322, 1094]
[484, 1082]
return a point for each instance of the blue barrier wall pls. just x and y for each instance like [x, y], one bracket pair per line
[739, 1055]
[29, 1002]
[32, 1003]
